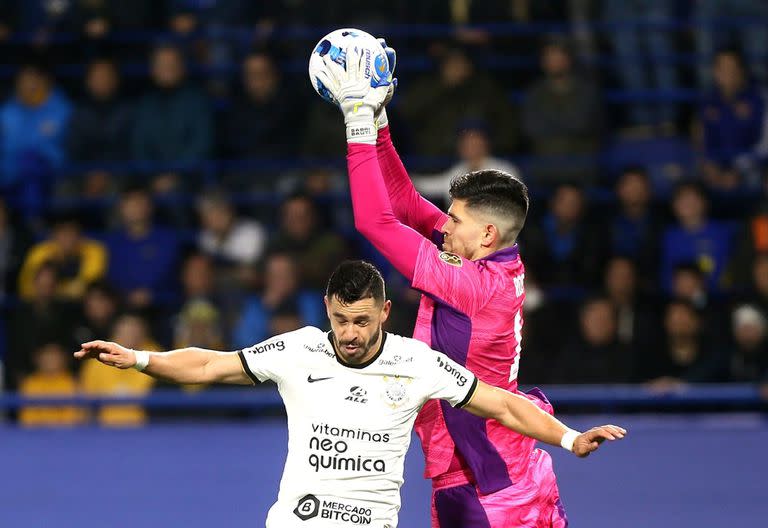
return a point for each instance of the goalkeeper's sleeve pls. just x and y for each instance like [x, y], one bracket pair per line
[374, 217]
[408, 205]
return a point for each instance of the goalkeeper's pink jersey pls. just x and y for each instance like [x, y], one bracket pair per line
[470, 311]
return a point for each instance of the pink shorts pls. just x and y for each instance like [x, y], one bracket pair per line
[533, 502]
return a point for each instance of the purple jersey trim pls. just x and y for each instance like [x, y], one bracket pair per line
[471, 438]
[460, 507]
[451, 333]
[506, 254]
[561, 512]
[538, 393]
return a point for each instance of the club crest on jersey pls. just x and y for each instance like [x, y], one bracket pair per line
[395, 390]
[451, 258]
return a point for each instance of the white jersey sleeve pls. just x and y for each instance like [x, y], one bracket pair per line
[271, 359]
[447, 380]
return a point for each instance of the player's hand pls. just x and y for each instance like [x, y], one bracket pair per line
[108, 353]
[590, 440]
[380, 117]
[357, 98]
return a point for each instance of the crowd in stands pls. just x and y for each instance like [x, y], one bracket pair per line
[170, 179]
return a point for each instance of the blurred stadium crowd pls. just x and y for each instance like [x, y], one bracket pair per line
[169, 178]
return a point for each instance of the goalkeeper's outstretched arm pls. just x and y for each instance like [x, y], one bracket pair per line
[186, 365]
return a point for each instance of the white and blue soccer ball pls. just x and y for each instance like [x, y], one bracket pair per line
[335, 45]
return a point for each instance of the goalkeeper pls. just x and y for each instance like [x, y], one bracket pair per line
[468, 267]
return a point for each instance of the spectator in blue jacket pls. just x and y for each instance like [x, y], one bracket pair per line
[732, 116]
[696, 238]
[281, 289]
[143, 257]
[173, 120]
[33, 124]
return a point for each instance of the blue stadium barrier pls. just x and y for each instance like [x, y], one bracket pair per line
[266, 398]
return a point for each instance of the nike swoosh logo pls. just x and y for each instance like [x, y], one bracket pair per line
[313, 380]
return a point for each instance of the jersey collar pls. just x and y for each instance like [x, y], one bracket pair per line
[503, 255]
[329, 335]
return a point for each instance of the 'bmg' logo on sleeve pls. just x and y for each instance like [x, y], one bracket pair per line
[461, 379]
[266, 347]
[307, 508]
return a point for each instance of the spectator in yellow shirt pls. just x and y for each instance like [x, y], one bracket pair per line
[96, 379]
[78, 259]
[50, 379]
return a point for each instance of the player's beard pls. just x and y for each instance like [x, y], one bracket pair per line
[365, 349]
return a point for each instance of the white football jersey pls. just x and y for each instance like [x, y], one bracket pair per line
[349, 427]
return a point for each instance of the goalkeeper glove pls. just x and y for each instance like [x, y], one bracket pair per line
[359, 98]
[381, 116]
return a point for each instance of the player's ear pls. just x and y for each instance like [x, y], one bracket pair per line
[385, 309]
[490, 235]
[327, 306]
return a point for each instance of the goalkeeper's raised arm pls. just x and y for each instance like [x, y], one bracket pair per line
[408, 205]
[374, 216]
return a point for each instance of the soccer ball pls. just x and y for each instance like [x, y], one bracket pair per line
[335, 44]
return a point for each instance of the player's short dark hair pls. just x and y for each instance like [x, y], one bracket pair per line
[496, 192]
[354, 280]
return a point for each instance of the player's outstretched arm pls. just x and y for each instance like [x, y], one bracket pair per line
[522, 415]
[186, 365]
